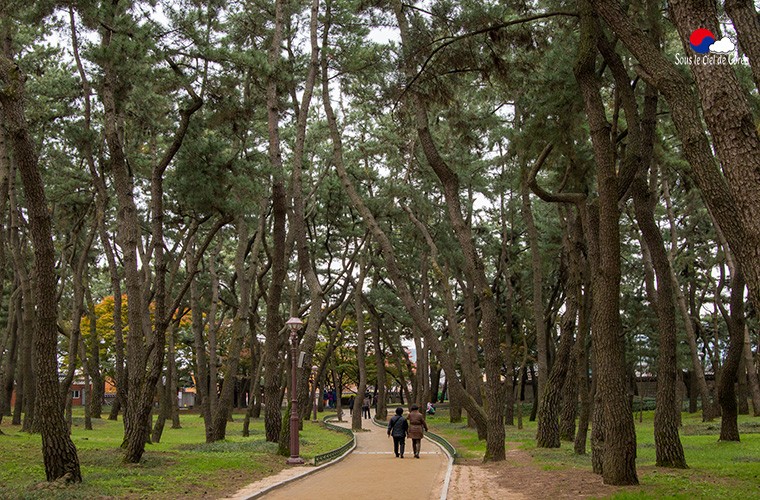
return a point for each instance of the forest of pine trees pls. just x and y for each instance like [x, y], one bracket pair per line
[559, 191]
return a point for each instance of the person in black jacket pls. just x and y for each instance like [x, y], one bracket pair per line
[397, 427]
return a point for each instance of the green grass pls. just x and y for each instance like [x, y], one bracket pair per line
[717, 470]
[181, 465]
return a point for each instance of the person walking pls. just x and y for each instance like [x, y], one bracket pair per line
[398, 428]
[417, 426]
[351, 405]
[365, 406]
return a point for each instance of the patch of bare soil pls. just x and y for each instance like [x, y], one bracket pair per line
[519, 478]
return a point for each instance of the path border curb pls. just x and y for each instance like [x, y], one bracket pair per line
[306, 472]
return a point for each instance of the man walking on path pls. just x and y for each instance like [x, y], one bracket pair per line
[416, 425]
[397, 427]
[365, 406]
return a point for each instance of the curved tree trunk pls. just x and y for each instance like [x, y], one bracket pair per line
[381, 411]
[274, 336]
[548, 435]
[754, 385]
[58, 450]
[361, 346]
[239, 324]
[668, 448]
[729, 428]
[538, 302]
[619, 434]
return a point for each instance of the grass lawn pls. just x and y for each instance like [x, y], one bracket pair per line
[717, 470]
[181, 466]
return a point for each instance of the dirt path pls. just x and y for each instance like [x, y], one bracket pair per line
[373, 464]
[520, 478]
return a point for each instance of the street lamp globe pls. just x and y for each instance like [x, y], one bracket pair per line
[294, 324]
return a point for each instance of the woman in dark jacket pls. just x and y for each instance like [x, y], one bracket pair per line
[416, 425]
[397, 427]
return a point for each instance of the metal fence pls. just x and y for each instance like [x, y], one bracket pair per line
[337, 452]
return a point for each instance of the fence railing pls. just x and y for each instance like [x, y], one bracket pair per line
[337, 452]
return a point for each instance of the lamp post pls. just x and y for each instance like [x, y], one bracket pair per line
[314, 369]
[294, 324]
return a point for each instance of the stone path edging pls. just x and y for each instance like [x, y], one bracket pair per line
[242, 495]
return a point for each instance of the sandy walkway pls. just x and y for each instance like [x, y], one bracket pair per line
[373, 465]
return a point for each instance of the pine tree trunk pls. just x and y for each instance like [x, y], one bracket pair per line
[239, 324]
[274, 336]
[742, 388]
[164, 410]
[542, 346]
[172, 382]
[619, 434]
[11, 356]
[729, 427]
[569, 410]
[668, 448]
[93, 364]
[361, 346]
[212, 396]
[201, 356]
[58, 450]
[747, 26]
[86, 395]
[749, 360]
[381, 412]
[547, 435]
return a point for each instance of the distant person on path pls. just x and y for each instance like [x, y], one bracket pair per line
[398, 427]
[416, 425]
[365, 406]
[351, 405]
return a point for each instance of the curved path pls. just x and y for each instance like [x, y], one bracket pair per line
[373, 465]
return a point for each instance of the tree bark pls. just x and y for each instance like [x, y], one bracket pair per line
[747, 26]
[25, 384]
[239, 324]
[538, 284]
[668, 448]
[548, 433]
[58, 450]
[381, 412]
[749, 360]
[199, 347]
[361, 347]
[729, 427]
[274, 336]
[619, 435]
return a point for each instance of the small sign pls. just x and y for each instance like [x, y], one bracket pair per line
[300, 359]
